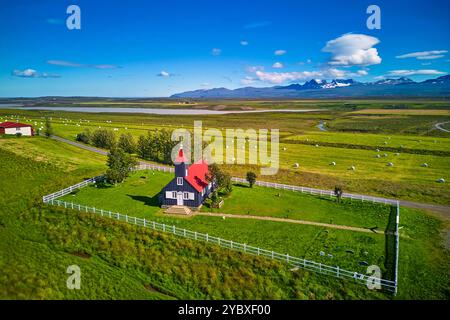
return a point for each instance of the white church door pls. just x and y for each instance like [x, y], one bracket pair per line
[179, 198]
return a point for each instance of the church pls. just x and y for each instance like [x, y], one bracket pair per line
[189, 187]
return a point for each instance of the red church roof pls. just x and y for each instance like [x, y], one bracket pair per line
[9, 124]
[197, 175]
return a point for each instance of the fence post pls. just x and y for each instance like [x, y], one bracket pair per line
[145, 223]
[287, 257]
[184, 232]
[337, 271]
[174, 232]
[397, 244]
[206, 237]
[195, 235]
[154, 225]
[164, 227]
[245, 247]
[126, 218]
[231, 244]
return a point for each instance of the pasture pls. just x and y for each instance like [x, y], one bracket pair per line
[104, 246]
[119, 261]
[413, 137]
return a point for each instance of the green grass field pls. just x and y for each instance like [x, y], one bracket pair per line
[413, 136]
[119, 261]
[138, 196]
[44, 240]
[419, 235]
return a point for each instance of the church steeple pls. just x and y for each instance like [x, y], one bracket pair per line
[180, 164]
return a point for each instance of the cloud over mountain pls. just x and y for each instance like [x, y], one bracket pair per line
[353, 50]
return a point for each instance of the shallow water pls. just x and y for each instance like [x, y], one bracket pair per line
[148, 110]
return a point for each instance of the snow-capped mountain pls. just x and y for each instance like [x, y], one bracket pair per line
[401, 80]
[337, 88]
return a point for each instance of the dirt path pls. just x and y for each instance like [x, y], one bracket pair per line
[312, 223]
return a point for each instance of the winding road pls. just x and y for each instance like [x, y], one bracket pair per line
[439, 126]
[441, 210]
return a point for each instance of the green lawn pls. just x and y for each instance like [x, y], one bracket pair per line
[300, 206]
[122, 261]
[421, 244]
[138, 196]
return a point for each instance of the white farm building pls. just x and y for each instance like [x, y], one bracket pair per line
[14, 128]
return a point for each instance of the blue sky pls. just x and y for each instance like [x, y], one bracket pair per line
[157, 48]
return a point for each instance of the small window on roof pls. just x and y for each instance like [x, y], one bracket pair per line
[179, 181]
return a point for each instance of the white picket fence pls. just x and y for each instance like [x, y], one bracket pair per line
[335, 271]
[330, 193]
[68, 190]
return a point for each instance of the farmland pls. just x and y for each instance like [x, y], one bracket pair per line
[356, 130]
[120, 261]
[107, 248]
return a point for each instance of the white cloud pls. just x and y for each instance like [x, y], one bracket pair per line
[362, 72]
[216, 51]
[281, 77]
[205, 84]
[244, 43]
[431, 57]
[277, 65]
[421, 55]
[352, 50]
[252, 69]
[280, 52]
[25, 73]
[248, 81]
[400, 73]
[164, 74]
[64, 63]
[31, 73]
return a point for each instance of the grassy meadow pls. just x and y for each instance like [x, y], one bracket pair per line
[408, 130]
[121, 261]
[421, 243]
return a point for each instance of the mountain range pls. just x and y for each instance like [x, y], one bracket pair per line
[337, 88]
